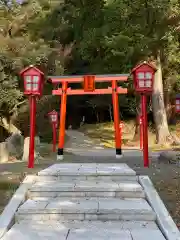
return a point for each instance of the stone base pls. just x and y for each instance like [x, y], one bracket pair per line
[60, 157]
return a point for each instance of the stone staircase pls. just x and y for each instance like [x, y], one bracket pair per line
[86, 201]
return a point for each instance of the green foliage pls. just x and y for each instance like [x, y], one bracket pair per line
[98, 36]
[19, 48]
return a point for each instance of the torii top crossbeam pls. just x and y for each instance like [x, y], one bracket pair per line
[96, 78]
[80, 78]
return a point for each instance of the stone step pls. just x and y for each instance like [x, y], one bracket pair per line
[75, 224]
[56, 231]
[87, 209]
[86, 189]
[104, 178]
[88, 171]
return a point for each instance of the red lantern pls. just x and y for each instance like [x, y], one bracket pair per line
[33, 81]
[53, 117]
[178, 103]
[121, 125]
[144, 77]
[33, 87]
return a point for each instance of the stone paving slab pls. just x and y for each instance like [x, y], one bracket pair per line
[50, 196]
[56, 231]
[78, 185]
[82, 206]
[53, 186]
[147, 234]
[89, 234]
[89, 209]
[84, 194]
[88, 169]
[38, 232]
[106, 178]
[127, 225]
[114, 234]
[82, 217]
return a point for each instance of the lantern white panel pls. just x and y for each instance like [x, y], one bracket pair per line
[148, 75]
[35, 85]
[28, 83]
[35, 79]
[28, 79]
[148, 83]
[178, 107]
[28, 86]
[177, 101]
[54, 118]
[141, 83]
[140, 75]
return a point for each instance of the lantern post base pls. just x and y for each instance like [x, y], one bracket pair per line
[60, 157]
[119, 153]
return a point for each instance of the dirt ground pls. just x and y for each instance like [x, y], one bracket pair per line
[105, 133]
[165, 177]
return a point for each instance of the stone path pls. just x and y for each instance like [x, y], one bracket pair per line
[78, 140]
[81, 145]
[86, 201]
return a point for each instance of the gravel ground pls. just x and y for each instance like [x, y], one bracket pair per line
[166, 177]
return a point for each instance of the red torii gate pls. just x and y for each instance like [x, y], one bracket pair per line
[89, 88]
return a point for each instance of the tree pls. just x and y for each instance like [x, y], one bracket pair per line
[19, 48]
[78, 37]
[140, 32]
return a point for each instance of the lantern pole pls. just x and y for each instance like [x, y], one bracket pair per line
[141, 131]
[62, 121]
[54, 136]
[32, 101]
[118, 138]
[141, 124]
[145, 130]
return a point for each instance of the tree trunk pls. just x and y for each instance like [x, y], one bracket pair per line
[97, 115]
[168, 106]
[110, 112]
[8, 126]
[162, 131]
[136, 136]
